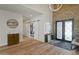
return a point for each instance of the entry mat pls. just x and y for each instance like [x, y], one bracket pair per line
[62, 44]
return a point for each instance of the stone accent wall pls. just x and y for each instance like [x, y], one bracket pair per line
[68, 11]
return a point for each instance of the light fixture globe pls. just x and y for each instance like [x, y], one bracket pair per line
[55, 7]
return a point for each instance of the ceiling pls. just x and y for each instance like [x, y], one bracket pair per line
[18, 8]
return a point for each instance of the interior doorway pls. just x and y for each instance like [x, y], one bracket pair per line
[64, 30]
[31, 29]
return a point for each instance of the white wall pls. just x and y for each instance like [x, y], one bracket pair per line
[46, 17]
[4, 29]
[5, 15]
[26, 29]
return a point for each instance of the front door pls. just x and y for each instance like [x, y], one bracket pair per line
[64, 30]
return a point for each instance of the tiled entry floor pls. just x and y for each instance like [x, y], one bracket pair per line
[61, 44]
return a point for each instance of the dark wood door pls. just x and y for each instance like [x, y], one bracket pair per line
[13, 39]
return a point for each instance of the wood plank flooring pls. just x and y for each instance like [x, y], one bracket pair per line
[34, 47]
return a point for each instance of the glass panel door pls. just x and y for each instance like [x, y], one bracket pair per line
[59, 30]
[68, 30]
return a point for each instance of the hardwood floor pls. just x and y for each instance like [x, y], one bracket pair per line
[34, 47]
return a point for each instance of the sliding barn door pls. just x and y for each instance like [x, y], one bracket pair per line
[26, 29]
[36, 30]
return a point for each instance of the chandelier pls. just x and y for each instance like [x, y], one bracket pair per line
[55, 7]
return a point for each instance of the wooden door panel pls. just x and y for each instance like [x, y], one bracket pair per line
[13, 39]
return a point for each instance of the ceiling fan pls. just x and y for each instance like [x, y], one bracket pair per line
[55, 7]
